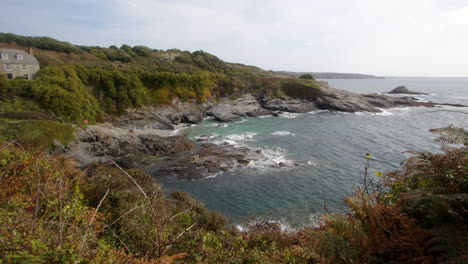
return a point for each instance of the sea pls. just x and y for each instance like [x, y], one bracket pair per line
[324, 153]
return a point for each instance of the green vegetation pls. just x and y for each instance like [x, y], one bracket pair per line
[78, 83]
[51, 52]
[50, 212]
[45, 43]
[307, 76]
[36, 133]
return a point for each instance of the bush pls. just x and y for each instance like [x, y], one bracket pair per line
[43, 215]
[307, 76]
[45, 43]
[60, 91]
[142, 51]
[36, 133]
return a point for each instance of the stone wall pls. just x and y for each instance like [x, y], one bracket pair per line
[16, 70]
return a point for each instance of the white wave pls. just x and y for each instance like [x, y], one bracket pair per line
[211, 176]
[318, 111]
[241, 228]
[241, 121]
[283, 133]
[207, 136]
[311, 163]
[283, 226]
[315, 219]
[241, 137]
[266, 158]
[220, 125]
[265, 116]
[421, 100]
[236, 139]
[402, 108]
[384, 112]
[289, 115]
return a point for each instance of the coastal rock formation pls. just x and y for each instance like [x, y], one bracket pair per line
[162, 117]
[338, 101]
[343, 101]
[101, 143]
[208, 159]
[233, 110]
[404, 90]
[205, 160]
[145, 132]
[289, 105]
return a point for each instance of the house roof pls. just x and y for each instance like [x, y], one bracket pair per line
[12, 58]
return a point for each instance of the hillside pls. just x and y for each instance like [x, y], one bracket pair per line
[51, 52]
[332, 75]
[110, 80]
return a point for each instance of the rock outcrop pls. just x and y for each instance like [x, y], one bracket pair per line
[234, 110]
[101, 143]
[343, 101]
[162, 117]
[404, 90]
[289, 105]
[207, 159]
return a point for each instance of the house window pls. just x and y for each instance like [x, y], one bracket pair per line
[7, 67]
[19, 57]
[25, 76]
[9, 76]
[24, 67]
[4, 56]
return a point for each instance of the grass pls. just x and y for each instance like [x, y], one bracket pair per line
[36, 133]
[18, 104]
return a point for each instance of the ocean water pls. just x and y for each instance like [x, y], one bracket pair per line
[329, 149]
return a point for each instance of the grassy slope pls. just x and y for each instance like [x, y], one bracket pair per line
[79, 83]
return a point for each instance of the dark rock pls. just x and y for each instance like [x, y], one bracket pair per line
[126, 162]
[226, 117]
[101, 143]
[288, 105]
[200, 162]
[234, 110]
[162, 117]
[404, 90]
[164, 146]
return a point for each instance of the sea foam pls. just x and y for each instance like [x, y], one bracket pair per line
[283, 133]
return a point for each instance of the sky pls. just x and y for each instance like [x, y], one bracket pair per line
[380, 37]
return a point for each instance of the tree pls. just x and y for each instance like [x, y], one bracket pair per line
[307, 76]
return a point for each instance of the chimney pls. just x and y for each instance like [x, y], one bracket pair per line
[30, 51]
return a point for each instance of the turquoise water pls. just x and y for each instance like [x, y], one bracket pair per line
[329, 148]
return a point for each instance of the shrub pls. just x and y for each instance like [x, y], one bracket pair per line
[60, 91]
[43, 216]
[142, 51]
[36, 133]
[307, 76]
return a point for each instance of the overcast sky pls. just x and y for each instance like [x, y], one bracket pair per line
[381, 37]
